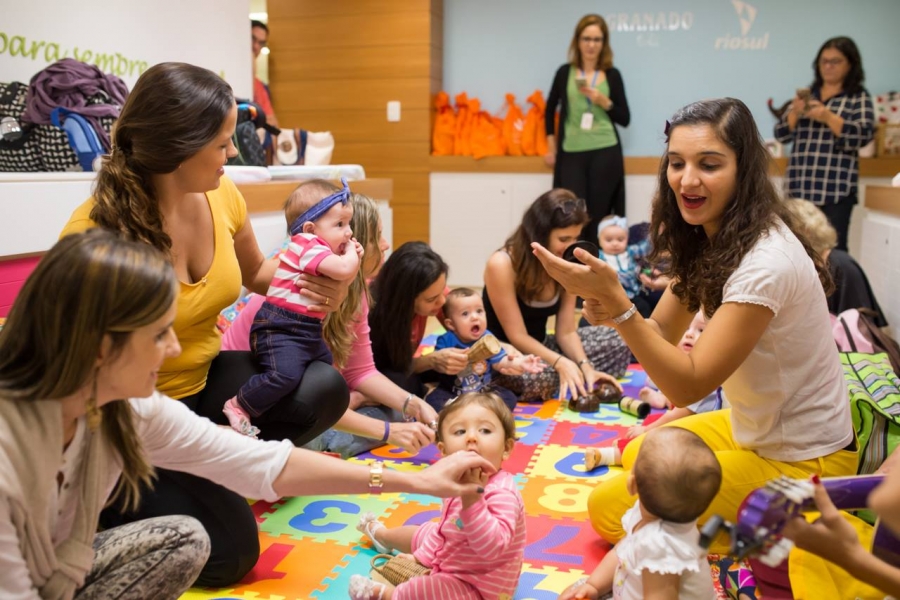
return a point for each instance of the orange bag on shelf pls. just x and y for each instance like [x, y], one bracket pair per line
[463, 126]
[487, 133]
[534, 135]
[444, 136]
[513, 124]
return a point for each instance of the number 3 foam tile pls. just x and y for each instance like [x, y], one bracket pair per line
[323, 518]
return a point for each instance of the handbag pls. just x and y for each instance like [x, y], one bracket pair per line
[874, 405]
[396, 569]
[18, 153]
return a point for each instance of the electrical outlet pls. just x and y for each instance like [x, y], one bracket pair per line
[393, 111]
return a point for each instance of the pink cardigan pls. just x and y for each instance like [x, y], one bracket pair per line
[360, 365]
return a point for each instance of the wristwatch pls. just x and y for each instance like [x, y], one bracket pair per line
[376, 477]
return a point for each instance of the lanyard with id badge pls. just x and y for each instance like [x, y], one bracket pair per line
[587, 118]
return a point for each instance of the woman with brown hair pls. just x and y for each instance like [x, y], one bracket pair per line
[520, 297]
[586, 154]
[163, 185]
[79, 360]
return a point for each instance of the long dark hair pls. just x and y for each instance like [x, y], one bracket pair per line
[173, 112]
[701, 265]
[557, 209]
[408, 272]
[856, 76]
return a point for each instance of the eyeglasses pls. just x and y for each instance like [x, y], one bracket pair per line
[592, 40]
[831, 62]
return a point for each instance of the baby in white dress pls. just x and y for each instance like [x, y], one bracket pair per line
[676, 476]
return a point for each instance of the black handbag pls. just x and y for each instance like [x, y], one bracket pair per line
[18, 149]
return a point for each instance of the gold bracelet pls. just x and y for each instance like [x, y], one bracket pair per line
[376, 477]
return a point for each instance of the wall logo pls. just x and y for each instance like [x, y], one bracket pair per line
[746, 14]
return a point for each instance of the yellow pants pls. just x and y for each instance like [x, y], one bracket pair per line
[742, 472]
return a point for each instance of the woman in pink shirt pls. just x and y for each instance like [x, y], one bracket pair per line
[399, 417]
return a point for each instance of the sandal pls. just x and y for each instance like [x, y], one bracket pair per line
[363, 588]
[368, 525]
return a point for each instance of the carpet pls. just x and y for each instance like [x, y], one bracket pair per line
[310, 545]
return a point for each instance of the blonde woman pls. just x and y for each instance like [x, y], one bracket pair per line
[79, 359]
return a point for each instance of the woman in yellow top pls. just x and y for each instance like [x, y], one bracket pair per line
[163, 185]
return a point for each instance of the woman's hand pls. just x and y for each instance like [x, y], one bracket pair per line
[449, 361]
[445, 478]
[571, 379]
[817, 111]
[421, 411]
[830, 536]
[595, 313]
[596, 97]
[327, 293]
[479, 478]
[412, 437]
[592, 376]
[593, 279]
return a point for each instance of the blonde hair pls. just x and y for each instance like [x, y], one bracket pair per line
[88, 287]
[813, 224]
[337, 330]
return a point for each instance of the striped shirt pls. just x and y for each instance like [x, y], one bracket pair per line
[483, 545]
[303, 255]
[823, 168]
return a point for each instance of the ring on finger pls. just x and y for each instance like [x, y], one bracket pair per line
[327, 300]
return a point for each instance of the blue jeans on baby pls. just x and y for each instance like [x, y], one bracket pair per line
[284, 343]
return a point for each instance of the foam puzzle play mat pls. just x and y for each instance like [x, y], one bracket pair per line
[310, 546]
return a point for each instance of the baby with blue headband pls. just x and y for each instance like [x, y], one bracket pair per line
[286, 335]
[612, 237]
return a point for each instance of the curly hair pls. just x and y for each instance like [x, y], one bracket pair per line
[173, 112]
[556, 209]
[701, 265]
[856, 76]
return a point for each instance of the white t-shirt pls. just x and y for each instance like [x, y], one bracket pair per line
[661, 547]
[789, 400]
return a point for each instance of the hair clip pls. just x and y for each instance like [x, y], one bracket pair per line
[666, 130]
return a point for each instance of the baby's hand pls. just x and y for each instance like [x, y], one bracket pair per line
[635, 431]
[579, 590]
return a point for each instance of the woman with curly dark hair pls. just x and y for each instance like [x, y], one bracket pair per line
[735, 254]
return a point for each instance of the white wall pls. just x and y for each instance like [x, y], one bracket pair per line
[128, 36]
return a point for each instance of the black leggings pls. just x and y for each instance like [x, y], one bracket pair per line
[598, 176]
[316, 405]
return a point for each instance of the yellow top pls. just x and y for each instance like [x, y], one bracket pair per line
[199, 304]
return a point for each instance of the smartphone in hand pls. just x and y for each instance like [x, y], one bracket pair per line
[581, 82]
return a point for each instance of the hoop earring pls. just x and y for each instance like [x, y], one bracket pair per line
[94, 416]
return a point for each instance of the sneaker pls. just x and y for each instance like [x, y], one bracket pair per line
[239, 419]
[368, 525]
[363, 588]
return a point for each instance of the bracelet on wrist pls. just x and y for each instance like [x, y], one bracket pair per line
[387, 431]
[553, 366]
[585, 361]
[625, 315]
[406, 402]
[376, 477]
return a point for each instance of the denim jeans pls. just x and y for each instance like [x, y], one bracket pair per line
[348, 444]
[283, 343]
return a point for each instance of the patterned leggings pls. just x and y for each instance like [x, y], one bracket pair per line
[155, 558]
[604, 348]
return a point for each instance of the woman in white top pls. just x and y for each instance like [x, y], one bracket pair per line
[79, 359]
[768, 341]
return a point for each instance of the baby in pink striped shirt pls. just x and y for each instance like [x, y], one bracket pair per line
[475, 551]
[286, 335]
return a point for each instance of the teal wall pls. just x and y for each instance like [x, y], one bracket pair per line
[666, 50]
